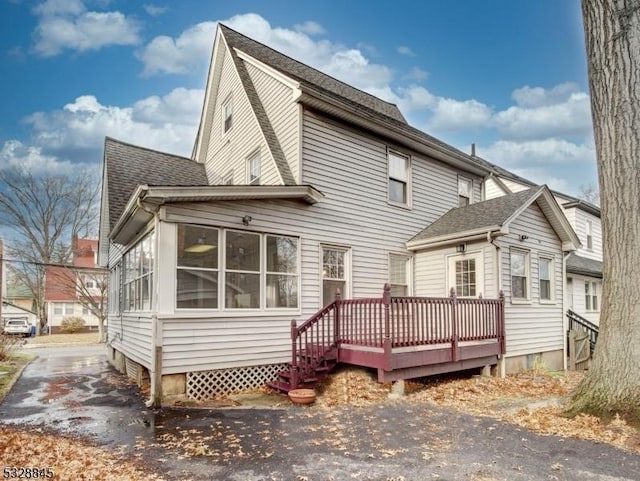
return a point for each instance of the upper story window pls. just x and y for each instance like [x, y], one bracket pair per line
[545, 272]
[399, 178]
[228, 116]
[253, 168]
[519, 275]
[465, 190]
[589, 231]
[591, 296]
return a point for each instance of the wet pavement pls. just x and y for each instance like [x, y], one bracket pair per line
[74, 391]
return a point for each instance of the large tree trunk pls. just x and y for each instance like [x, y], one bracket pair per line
[612, 31]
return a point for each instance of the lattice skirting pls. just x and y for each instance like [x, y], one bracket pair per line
[205, 385]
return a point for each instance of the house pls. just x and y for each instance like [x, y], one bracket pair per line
[12, 311]
[300, 186]
[583, 285]
[67, 288]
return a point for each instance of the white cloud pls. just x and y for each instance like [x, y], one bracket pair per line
[192, 49]
[16, 154]
[404, 50]
[68, 25]
[310, 28]
[154, 10]
[181, 55]
[451, 114]
[416, 97]
[76, 132]
[541, 114]
[547, 152]
[537, 96]
[417, 75]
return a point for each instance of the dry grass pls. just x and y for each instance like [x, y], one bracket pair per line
[9, 370]
[79, 338]
[534, 400]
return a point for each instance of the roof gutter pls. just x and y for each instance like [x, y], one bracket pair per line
[130, 209]
[480, 234]
[448, 155]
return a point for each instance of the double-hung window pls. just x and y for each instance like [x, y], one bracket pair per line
[253, 169]
[519, 275]
[589, 232]
[228, 116]
[399, 275]
[282, 271]
[465, 189]
[545, 273]
[242, 270]
[335, 272]
[591, 296]
[399, 178]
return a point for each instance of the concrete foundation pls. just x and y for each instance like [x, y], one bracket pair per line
[546, 361]
[174, 388]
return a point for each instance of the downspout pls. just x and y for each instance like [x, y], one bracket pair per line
[565, 322]
[155, 373]
[498, 253]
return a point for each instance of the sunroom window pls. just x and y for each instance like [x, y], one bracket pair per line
[234, 270]
[138, 275]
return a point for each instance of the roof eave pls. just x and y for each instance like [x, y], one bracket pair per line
[333, 106]
[487, 233]
[136, 216]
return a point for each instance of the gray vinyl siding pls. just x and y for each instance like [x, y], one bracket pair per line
[580, 226]
[131, 334]
[351, 170]
[515, 186]
[533, 326]
[492, 189]
[431, 270]
[282, 112]
[229, 151]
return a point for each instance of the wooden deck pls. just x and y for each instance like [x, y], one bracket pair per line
[401, 337]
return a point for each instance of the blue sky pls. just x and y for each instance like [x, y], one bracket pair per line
[507, 75]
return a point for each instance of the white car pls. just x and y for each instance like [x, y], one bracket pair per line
[17, 326]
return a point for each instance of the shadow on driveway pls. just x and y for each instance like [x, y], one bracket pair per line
[74, 391]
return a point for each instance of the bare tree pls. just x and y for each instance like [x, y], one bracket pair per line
[87, 285]
[590, 193]
[43, 213]
[612, 31]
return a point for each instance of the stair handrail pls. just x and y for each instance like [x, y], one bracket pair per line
[592, 329]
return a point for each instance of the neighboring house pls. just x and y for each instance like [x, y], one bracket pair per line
[66, 286]
[301, 185]
[19, 295]
[12, 311]
[583, 286]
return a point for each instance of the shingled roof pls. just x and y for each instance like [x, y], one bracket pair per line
[128, 166]
[583, 266]
[488, 214]
[308, 75]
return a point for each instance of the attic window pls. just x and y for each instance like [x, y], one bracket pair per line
[589, 230]
[464, 192]
[228, 116]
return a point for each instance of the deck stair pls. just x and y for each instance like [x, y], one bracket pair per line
[401, 337]
[576, 321]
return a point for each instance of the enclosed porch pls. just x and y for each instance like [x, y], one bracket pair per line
[401, 337]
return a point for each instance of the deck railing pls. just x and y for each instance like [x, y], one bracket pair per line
[395, 322]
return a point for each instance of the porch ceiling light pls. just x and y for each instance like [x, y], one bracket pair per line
[200, 247]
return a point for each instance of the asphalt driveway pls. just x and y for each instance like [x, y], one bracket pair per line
[74, 391]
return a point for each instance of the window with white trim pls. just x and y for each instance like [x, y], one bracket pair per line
[253, 169]
[399, 268]
[115, 289]
[589, 232]
[58, 308]
[519, 275]
[591, 296]
[197, 267]
[465, 191]
[228, 116]
[335, 272]
[138, 275]
[466, 278]
[545, 279]
[399, 167]
[233, 270]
